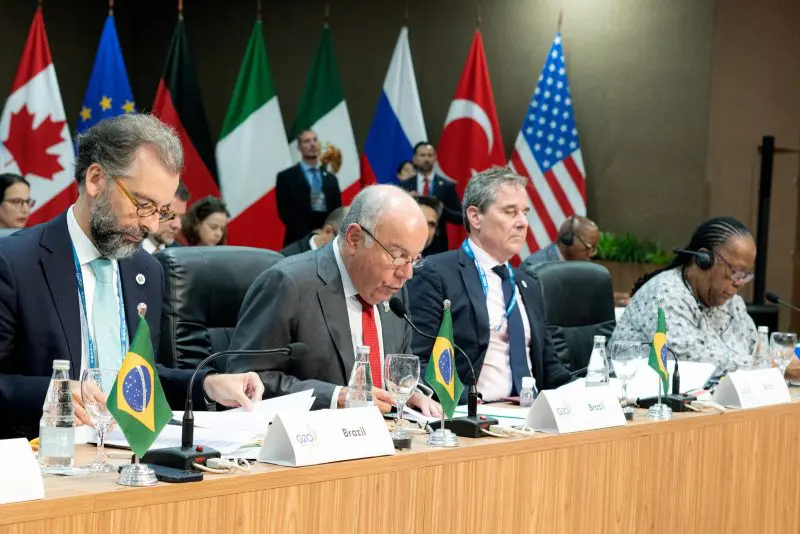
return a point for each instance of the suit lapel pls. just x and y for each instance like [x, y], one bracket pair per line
[58, 265]
[389, 328]
[469, 273]
[535, 348]
[303, 189]
[334, 307]
[133, 293]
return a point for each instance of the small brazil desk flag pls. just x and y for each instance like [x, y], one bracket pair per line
[658, 351]
[137, 400]
[441, 372]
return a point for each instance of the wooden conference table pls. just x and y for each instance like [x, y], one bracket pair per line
[732, 472]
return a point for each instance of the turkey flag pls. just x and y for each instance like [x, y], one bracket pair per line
[471, 141]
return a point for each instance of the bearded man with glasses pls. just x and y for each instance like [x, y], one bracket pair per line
[70, 288]
[336, 298]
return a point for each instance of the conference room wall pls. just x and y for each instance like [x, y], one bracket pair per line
[641, 74]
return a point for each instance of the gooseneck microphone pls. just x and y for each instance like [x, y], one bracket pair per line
[399, 309]
[186, 455]
[775, 299]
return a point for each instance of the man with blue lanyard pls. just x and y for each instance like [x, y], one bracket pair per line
[498, 317]
[70, 288]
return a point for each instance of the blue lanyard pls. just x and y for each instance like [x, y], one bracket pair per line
[123, 327]
[467, 248]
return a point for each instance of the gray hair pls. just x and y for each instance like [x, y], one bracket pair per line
[367, 207]
[481, 190]
[112, 144]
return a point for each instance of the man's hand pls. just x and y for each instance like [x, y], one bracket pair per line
[94, 394]
[425, 404]
[382, 399]
[234, 390]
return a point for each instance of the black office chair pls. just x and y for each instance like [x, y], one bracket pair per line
[579, 304]
[205, 287]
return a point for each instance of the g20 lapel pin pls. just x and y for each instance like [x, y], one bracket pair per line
[140, 279]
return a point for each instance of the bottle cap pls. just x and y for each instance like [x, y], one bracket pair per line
[599, 338]
[61, 365]
[764, 329]
[528, 382]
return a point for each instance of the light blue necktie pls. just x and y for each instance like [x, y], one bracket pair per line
[105, 315]
[316, 180]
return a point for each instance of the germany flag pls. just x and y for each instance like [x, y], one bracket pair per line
[178, 103]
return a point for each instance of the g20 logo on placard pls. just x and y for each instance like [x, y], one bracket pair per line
[306, 438]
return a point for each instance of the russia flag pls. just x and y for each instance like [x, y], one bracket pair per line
[398, 124]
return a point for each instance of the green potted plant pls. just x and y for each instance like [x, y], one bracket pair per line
[627, 258]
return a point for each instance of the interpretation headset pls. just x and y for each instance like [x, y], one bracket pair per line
[568, 237]
[702, 258]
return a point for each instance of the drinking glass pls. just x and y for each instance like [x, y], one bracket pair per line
[626, 356]
[781, 346]
[95, 387]
[402, 376]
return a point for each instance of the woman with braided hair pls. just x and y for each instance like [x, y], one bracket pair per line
[706, 319]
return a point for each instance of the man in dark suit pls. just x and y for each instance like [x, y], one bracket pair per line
[334, 299]
[306, 193]
[577, 241]
[497, 311]
[61, 282]
[318, 238]
[429, 184]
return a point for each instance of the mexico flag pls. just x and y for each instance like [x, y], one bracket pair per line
[178, 104]
[324, 110]
[252, 150]
[35, 137]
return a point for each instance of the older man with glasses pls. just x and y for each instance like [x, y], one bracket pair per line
[336, 298]
[577, 241]
[706, 319]
[70, 288]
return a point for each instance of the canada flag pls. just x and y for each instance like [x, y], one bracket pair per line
[35, 136]
[471, 141]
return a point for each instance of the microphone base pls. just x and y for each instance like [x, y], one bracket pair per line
[677, 402]
[467, 427]
[180, 457]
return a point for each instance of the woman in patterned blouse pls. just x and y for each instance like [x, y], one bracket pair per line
[706, 319]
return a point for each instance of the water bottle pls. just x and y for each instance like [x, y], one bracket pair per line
[762, 358]
[528, 393]
[359, 388]
[597, 370]
[57, 426]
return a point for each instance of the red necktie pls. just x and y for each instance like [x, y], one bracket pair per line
[426, 188]
[369, 333]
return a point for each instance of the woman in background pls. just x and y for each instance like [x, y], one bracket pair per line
[206, 222]
[15, 208]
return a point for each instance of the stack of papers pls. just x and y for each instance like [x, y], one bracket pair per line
[236, 432]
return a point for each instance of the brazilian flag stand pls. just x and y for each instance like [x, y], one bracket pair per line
[441, 375]
[658, 362]
[138, 404]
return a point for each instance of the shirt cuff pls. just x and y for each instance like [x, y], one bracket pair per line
[335, 397]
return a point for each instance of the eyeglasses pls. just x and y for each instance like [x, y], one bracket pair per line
[20, 202]
[397, 261]
[146, 209]
[590, 249]
[738, 276]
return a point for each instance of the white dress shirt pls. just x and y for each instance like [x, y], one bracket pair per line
[421, 183]
[354, 315]
[86, 252]
[495, 380]
[151, 247]
[312, 243]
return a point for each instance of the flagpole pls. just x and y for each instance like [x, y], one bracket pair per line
[110, 8]
[660, 411]
[180, 9]
[479, 18]
[560, 20]
[258, 10]
[442, 436]
[405, 15]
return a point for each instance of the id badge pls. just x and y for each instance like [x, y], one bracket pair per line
[318, 201]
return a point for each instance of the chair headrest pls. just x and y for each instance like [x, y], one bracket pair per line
[575, 293]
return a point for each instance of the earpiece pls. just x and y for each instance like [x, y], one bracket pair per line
[568, 237]
[702, 258]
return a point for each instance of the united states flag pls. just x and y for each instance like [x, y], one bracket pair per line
[548, 152]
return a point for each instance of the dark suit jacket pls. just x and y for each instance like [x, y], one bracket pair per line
[444, 190]
[302, 299]
[453, 276]
[40, 320]
[293, 196]
[298, 247]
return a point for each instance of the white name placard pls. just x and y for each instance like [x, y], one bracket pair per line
[325, 436]
[753, 388]
[561, 412]
[22, 478]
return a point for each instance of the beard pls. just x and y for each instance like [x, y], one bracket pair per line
[110, 238]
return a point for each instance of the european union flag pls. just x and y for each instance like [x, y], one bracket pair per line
[109, 93]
